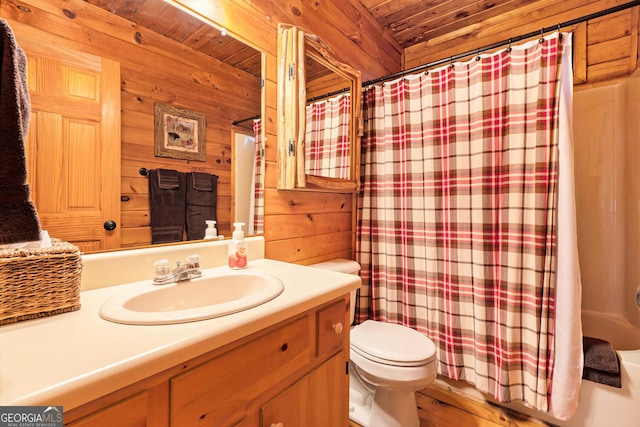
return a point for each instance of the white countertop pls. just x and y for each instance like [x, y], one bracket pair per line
[73, 358]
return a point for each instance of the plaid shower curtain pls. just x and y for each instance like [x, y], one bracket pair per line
[327, 147]
[258, 184]
[457, 226]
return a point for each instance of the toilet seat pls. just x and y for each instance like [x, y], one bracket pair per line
[392, 344]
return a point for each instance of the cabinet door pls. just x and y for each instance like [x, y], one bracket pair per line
[320, 399]
[145, 409]
[220, 391]
[332, 328]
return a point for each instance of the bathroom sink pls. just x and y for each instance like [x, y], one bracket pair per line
[197, 299]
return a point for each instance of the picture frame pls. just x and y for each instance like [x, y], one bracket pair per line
[179, 133]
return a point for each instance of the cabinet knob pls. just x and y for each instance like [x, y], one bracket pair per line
[110, 225]
[337, 328]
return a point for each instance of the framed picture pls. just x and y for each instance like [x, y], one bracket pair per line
[179, 134]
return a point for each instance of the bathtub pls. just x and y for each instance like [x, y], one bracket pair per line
[608, 224]
[600, 405]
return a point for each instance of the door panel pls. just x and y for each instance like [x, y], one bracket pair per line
[73, 146]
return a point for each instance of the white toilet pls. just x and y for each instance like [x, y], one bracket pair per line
[389, 363]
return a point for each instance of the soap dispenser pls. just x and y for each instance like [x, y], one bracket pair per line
[238, 248]
[211, 233]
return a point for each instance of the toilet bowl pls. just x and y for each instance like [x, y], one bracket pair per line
[388, 364]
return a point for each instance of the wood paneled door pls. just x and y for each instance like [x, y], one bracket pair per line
[73, 146]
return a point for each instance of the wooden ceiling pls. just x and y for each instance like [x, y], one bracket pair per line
[165, 19]
[412, 23]
[408, 21]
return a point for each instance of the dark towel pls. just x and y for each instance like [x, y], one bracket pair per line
[167, 205]
[600, 355]
[202, 195]
[601, 363]
[168, 179]
[20, 221]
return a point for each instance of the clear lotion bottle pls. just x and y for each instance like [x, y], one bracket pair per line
[238, 248]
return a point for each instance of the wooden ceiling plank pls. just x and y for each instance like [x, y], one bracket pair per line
[147, 12]
[201, 37]
[160, 16]
[184, 26]
[124, 8]
[373, 4]
[492, 30]
[227, 49]
[108, 4]
[524, 19]
[393, 11]
[77, 29]
[451, 22]
[419, 12]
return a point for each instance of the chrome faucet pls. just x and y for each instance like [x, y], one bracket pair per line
[189, 270]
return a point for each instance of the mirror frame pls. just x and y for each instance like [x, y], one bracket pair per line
[294, 46]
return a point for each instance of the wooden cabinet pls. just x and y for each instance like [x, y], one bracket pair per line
[294, 373]
[147, 407]
[331, 328]
[223, 388]
[311, 401]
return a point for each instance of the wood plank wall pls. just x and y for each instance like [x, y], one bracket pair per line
[301, 227]
[605, 48]
[153, 69]
[305, 227]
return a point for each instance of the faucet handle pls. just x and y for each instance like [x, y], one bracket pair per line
[193, 262]
[162, 268]
[193, 266]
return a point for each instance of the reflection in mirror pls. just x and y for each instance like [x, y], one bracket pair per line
[193, 66]
[319, 100]
[328, 120]
[247, 174]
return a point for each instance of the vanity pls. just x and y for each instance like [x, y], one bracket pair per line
[281, 363]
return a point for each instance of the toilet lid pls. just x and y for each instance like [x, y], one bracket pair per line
[392, 344]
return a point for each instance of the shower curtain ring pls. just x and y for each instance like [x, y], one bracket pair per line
[541, 35]
[478, 54]
[509, 47]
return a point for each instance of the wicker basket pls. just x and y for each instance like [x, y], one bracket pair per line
[39, 282]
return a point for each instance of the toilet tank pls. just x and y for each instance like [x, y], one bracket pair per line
[343, 266]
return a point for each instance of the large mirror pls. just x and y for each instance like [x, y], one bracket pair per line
[154, 54]
[319, 115]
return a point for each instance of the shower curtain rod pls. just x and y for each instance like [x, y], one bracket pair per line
[503, 43]
[479, 50]
[327, 95]
[237, 122]
[315, 98]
